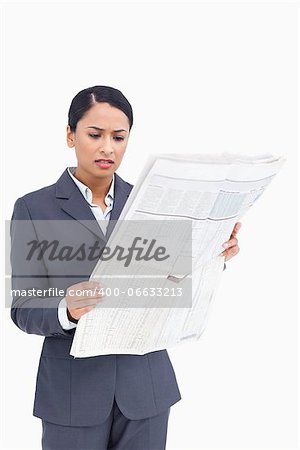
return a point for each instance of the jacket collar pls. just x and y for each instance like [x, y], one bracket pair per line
[73, 203]
[86, 191]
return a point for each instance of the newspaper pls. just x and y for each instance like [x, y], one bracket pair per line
[211, 193]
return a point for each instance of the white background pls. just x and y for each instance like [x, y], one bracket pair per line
[201, 77]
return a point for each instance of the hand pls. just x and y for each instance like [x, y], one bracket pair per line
[83, 297]
[231, 245]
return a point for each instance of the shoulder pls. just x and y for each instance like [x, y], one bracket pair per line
[35, 203]
[38, 196]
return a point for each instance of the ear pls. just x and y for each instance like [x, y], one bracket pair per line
[70, 137]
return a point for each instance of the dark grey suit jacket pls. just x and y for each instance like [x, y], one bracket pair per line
[81, 391]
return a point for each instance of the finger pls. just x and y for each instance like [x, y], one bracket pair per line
[77, 313]
[89, 293]
[233, 251]
[91, 286]
[230, 243]
[84, 304]
[230, 252]
[78, 300]
[87, 284]
[236, 228]
[85, 292]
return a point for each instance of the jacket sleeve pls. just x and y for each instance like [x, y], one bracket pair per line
[32, 314]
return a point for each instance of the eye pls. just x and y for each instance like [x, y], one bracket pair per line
[119, 138]
[94, 136]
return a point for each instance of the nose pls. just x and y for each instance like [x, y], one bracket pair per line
[106, 147]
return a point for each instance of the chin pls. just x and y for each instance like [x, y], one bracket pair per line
[100, 173]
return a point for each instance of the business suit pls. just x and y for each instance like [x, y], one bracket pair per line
[81, 392]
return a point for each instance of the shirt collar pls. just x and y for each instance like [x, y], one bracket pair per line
[86, 191]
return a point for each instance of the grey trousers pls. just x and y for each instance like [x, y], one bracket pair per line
[116, 433]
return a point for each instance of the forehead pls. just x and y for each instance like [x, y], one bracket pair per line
[104, 115]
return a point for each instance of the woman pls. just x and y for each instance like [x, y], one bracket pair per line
[104, 402]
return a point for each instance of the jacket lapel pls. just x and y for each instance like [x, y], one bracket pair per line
[73, 203]
[121, 194]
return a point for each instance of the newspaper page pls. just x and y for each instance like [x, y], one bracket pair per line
[210, 193]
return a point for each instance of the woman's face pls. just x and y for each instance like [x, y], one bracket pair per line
[102, 134]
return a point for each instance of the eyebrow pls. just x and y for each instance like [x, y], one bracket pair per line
[102, 129]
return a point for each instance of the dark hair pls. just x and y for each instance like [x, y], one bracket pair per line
[86, 98]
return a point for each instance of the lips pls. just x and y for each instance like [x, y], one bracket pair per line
[104, 164]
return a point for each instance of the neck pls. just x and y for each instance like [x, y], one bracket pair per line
[98, 186]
